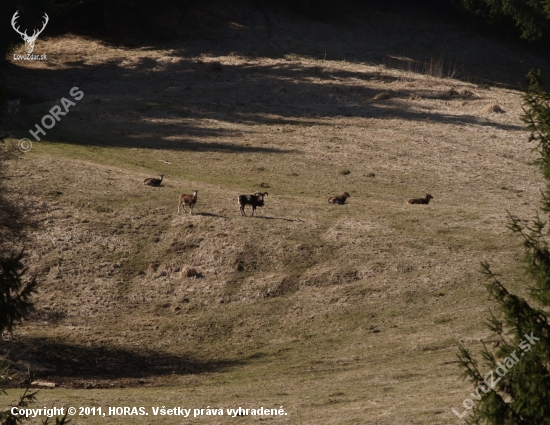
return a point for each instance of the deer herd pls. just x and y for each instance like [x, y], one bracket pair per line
[257, 199]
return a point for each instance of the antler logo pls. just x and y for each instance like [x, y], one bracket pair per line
[29, 41]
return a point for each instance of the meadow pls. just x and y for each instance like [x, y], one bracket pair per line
[341, 314]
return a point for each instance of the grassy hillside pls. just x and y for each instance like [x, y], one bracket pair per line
[340, 314]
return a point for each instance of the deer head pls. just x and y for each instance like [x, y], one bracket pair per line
[29, 41]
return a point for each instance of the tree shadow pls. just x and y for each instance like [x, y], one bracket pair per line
[179, 102]
[361, 32]
[54, 359]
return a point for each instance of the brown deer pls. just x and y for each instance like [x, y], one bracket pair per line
[422, 201]
[256, 200]
[339, 199]
[189, 200]
[153, 182]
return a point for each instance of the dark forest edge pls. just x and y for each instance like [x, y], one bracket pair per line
[162, 20]
[16, 285]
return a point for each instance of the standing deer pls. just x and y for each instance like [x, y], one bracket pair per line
[13, 106]
[256, 200]
[188, 200]
[29, 41]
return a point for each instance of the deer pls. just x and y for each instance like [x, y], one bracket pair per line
[29, 41]
[13, 106]
[153, 182]
[256, 200]
[422, 201]
[189, 200]
[339, 199]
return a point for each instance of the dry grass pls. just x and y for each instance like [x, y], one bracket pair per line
[341, 315]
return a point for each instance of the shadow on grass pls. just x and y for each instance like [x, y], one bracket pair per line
[51, 358]
[265, 217]
[205, 214]
[176, 101]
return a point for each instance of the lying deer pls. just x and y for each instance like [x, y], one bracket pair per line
[153, 182]
[423, 201]
[339, 199]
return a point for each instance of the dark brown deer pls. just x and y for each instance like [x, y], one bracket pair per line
[422, 201]
[339, 199]
[256, 200]
[153, 182]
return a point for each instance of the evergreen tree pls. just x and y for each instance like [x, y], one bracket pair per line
[531, 17]
[15, 292]
[513, 386]
[25, 399]
[15, 289]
